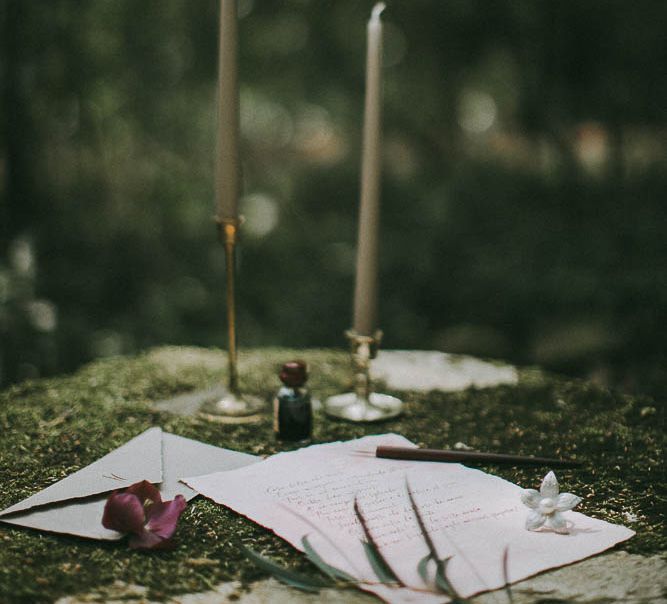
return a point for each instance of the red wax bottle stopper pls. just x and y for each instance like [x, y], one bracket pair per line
[294, 374]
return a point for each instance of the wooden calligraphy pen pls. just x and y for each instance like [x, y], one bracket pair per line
[416, 454]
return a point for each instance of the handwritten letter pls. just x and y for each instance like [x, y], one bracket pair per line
[473, 516]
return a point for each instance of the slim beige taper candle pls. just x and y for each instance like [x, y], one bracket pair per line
[227, 169]
[366, 287]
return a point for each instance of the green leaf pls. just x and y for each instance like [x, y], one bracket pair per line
[327, 569]
[381, 569]
[506, 576]
[420, 521]
[379, 563]
[310, 584]
[442, 582]
[422, 567]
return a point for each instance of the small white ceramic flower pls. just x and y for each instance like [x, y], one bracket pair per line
[546, 505]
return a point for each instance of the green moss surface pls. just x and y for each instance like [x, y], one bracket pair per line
[51, 428]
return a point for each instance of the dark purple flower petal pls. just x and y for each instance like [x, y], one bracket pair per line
[149, 540]
[145, 491]
[124, 513]
[141, 511]
[163, 517]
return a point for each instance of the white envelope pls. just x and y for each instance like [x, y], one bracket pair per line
[75, 504]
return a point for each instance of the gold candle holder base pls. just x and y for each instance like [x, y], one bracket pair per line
[363, 405]
[233, 403]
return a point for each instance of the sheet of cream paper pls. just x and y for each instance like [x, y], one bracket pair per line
[473, 516]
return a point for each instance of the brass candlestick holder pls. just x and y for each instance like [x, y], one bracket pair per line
[232, 403]
[363, 405]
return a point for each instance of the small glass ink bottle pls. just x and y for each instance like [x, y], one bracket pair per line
[292, 409]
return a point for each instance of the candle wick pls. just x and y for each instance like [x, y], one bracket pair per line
[377, 11]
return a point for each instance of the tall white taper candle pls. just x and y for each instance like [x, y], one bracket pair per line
[366, 286]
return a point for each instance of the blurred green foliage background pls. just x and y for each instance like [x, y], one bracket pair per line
[523, 190]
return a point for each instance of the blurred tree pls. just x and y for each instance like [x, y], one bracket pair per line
[524, 173]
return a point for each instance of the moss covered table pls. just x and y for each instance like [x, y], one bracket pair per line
[50, 428]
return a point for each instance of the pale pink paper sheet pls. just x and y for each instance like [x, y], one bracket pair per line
[473, 516]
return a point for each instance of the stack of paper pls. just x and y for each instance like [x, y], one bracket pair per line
[472, 516]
